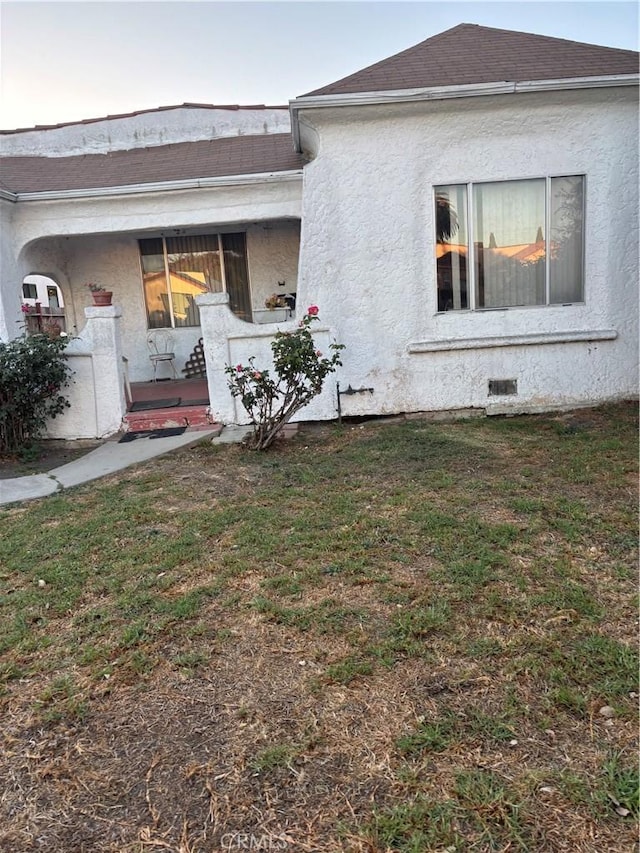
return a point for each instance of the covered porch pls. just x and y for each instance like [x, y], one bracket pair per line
[113, 347]
[155, 280]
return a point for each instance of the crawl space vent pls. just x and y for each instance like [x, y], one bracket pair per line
[502, 387]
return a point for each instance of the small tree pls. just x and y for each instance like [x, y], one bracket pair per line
[300, 370]
[33, 370]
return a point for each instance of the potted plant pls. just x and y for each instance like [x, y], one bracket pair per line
[101, 296]
[275, 301]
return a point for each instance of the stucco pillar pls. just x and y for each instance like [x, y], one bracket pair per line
[217, 323]
[11, 319]
[103, 329]
[96, 394]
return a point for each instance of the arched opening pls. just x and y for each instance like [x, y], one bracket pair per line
[42, 305]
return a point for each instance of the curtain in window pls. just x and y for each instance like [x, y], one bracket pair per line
[566, 240]
[236, 274]
[176, 270]
[194, 267]
[510, 251]
[154, 281]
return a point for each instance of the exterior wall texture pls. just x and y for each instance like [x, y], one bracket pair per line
[273, 249]
[96, 393]
[157, 127]
[10, 316]
[368, 241]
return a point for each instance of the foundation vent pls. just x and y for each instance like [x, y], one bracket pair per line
[502, 387]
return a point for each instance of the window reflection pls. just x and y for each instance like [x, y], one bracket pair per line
[451, 247]
[177, 269]
[518, 258]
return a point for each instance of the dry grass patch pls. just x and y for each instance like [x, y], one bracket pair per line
[390, 639]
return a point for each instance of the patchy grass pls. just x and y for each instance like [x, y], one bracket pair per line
[382, 638]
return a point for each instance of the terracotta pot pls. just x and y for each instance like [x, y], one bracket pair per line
[102, 297]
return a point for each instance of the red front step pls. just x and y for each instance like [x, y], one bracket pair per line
[193, 417]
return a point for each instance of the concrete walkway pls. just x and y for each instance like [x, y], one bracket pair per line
[107, 459]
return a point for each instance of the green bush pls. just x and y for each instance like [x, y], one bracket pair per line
[33, 371]
[300, 370]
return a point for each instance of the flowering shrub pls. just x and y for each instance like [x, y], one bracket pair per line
[299, 373]
[33, 370]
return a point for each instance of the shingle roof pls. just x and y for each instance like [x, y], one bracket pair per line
[469, 54]
[229, 156]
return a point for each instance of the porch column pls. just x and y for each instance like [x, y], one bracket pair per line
[96, 393]
[103, 329]
[217, 322]
[11, 319]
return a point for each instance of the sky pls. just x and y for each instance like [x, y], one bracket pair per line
[67, 61]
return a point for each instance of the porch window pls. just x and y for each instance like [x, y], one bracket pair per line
[508, 244]
[177, 269]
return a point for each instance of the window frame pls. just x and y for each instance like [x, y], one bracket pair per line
[165, 256]
[471, 256]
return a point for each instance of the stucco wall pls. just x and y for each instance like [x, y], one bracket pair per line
[160, 127]
[280, 197]
[273, 250]
[367, 251]
[9, 295]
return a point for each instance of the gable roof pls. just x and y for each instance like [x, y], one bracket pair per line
[469, 53]
[214, 158]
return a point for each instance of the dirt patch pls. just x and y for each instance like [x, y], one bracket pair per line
[245, 749]
[48, 455]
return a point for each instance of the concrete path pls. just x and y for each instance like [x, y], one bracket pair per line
[107, 459]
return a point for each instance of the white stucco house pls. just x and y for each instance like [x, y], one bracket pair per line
[464, 214]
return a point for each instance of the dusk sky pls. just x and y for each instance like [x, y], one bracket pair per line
[66, 61]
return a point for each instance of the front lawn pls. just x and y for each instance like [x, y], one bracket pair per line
[391, 637]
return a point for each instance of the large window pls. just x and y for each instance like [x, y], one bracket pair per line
[177, 269]
[508, 244]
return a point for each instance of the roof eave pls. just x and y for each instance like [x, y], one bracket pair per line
[438, 93]
[160, 186]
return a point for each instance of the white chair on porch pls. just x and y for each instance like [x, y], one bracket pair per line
[161, 350]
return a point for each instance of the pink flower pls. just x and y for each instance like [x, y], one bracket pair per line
[257, 374]
[25, 309]
[239, 368]
[318, 353]
[313, 310]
